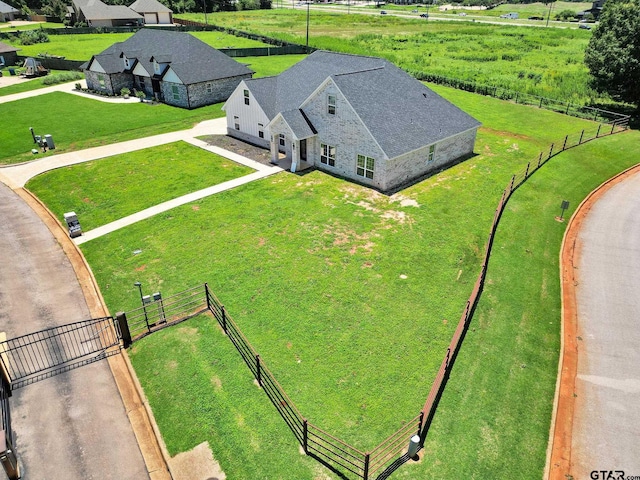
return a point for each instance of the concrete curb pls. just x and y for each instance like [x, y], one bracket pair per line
[140, 416]
[558, 463]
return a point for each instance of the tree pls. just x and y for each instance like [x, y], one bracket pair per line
[55, 8]
[613, 53]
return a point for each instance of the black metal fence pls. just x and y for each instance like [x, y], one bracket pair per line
[559, 106]
[162, 313]
[36, 356]
[345, 459]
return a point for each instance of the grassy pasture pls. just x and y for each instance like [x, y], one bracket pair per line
[543, 61]
[301, 263]
[114, 187]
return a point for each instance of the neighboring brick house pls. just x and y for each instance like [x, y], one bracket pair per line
[358, 117]
[174, 67]
[154, 12]
[8, 55]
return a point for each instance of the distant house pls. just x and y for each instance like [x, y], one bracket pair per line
[154, 12]
[7, 12]
[595, 10]
[357, 117]
[8, 54]
[174, 67]
[98, 14]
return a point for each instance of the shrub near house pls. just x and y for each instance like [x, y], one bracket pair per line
[173, 67]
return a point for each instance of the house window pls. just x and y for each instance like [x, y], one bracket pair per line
[328, 155]
[246, 97]
[432, 154]
[141, 80]
[101, 80]
[176, 92]
[281, 136]
[261, 130]
[209, 88]
[365, 166]
[331, 104]
[236, 122]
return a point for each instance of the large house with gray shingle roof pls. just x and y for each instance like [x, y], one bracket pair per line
[174, 67]
[357, 117]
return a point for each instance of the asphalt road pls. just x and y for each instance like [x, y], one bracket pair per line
[72, 426]
[607, 417]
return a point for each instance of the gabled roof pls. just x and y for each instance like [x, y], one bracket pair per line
[298, 123]
[6, 8]
[192, 60]
[4, 48]
[148, 6]
[401, 113]
[97, 10]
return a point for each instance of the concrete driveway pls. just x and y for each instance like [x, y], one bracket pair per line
[606, 424]
[72, 426]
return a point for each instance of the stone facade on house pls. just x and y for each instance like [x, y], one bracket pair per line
[173, 67]
[356, 117]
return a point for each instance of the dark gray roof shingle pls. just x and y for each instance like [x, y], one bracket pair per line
[6, 8]
[400, 112]
[4, 48]
[299, 123]
[192, 60]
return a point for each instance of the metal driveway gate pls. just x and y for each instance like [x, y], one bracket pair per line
[36, 356]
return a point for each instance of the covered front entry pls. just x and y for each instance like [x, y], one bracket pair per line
[292, 135]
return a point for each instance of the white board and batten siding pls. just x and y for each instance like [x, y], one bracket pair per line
[171, 77]
[249, 116]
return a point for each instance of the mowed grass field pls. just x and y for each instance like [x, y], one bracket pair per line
[313, 269]
[541, 61]
[89, 122]
[141, 179]
[84, 46]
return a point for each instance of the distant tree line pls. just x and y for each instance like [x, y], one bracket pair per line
[58, 8]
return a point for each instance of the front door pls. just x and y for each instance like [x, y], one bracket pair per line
[303, 150]
[156, 88]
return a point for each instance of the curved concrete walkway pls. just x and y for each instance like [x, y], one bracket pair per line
[17, 176]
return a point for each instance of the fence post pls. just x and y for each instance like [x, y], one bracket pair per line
[566, 112]
[420, 422]
[513, 179]
[613, 126]
[366, 466]
[206, 294]
[8, 457]
[517, 93]
[224, 319]
[598, 132]
[305, 435]
[539, 159]
[551, 151]
[541, 99]
[581, 135]
[125, 333]
[564, 145]
[526, 172]
[258, 373]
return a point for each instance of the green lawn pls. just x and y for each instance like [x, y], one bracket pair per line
[83, 46]
[312, 268]
[77, 122]
[111, 188]
[542, 61]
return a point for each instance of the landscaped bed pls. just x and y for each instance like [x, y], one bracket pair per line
[350, 297]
